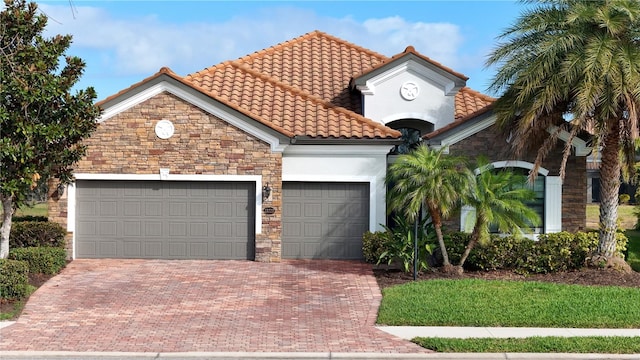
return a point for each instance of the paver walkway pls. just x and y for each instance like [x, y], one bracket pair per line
[222, 306]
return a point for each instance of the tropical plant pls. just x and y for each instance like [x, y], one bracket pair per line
[401, 243]
[498, 198]
[429, 179]
[568, 66]
[41, 121]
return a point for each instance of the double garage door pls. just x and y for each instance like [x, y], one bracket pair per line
[215, 220]
[165, 220]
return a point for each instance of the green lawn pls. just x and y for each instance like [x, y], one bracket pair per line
[39, 209]
[473, 302]
[633, 246]
[625, 214]
[602, 345]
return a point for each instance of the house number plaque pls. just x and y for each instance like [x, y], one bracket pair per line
[269, 210]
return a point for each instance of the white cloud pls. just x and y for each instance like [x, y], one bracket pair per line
[144, 44]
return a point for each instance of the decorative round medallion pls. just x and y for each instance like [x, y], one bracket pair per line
[164, 129]
[409, 90]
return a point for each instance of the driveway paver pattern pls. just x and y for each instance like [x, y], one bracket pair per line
[220, 306]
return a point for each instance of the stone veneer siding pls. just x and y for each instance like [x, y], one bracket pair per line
[201, 144]
[491, 143]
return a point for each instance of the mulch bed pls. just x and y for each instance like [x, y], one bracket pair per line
[598, 277]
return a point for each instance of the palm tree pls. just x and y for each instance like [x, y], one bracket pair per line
[428, 178]
[498, 199]
[574, 65]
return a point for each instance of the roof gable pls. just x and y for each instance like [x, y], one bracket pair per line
[449, 80]
[167, 81]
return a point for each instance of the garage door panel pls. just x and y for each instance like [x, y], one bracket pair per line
[107, 208]
[132, 228]
[108, 228]
[132, 248]
[152, 249]
[146, 219]
[199, 209]
[108, 248]
[324, 220]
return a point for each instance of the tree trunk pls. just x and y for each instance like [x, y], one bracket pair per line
[475, 235]
[609, 189]
[437, 225]
[5, 230]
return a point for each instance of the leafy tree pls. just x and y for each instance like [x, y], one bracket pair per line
[574, 65]
[41, 122]
[498, 198]
[429, 178]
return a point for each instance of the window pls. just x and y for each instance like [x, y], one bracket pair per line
[537, 204]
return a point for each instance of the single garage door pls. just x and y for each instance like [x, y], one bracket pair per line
[324, 220]
[165, 220]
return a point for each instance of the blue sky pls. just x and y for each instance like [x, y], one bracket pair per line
[124, 42]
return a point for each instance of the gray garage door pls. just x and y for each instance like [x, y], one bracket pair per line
[165, 220]
[324, 220]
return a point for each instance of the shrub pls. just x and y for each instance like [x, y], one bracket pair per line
[36, 218]
[624, 198]
[36, 233]
[374, 244]
[501, 252]
[550, 253]
[41, 260]
[14, 279]
[397, 244]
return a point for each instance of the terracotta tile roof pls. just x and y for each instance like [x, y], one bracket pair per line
[300, 85]
[470, 102]
[469, 105]
[284, 106]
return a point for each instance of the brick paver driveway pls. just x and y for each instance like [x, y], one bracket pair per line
[176, 306]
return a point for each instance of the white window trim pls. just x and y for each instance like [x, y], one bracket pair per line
[71, 191]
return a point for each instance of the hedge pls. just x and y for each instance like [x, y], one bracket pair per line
[36, 233]
[41, 260]
[14, 279]
[553, 252]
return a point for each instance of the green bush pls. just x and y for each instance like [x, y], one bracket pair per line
[374, 244]
[14, 279]
[397, 245]
[35, 234]
[624, 198]
[36, 218]
[550, 253]
[41, 260]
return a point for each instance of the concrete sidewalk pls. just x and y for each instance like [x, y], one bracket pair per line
[410, 332]
[58, 355]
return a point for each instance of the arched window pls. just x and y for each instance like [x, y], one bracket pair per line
[548, 201]
[537, 204]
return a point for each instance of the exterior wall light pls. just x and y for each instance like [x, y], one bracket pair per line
[266, 192]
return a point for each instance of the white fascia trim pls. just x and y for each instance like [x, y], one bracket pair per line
[457, 136]
[207, 106]
[373, 185]
[409, 115]
[578, 144]
[328, 150]
[448, 86]
[257, 179]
